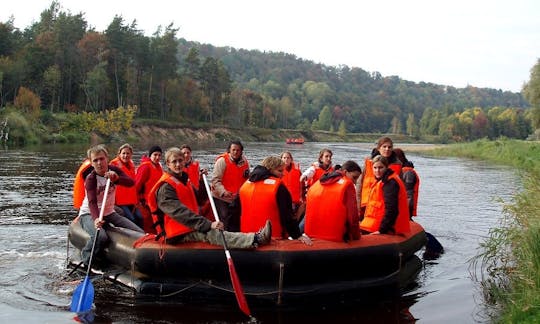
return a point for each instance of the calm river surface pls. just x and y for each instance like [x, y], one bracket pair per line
[459, 203]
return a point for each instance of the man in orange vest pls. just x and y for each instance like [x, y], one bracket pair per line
[231, 170]
[172, 201]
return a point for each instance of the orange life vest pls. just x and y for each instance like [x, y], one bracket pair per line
[375, 208]
[170, 227]
[368, 179]
[291, 180]
[155, 174]
[78, 184]
[259, 203]
[416, 188]
[234, 175]
[326, 215]
[193, 172]
[318, 173]
[125, 195]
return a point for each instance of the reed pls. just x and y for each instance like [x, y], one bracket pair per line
[508, 265]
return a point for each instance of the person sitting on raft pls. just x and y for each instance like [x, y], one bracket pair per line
[95, 185]
[174, 207]
[331, 206]
[264, 196]
[387, 209]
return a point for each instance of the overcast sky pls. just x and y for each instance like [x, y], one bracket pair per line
[482, 43]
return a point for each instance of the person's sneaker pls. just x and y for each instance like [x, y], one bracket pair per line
[264, 235]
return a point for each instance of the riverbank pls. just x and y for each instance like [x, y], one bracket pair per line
[148, 134]
[508, 265]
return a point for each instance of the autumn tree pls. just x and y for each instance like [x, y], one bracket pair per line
[29, 103]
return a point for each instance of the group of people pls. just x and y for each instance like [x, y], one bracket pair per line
[273, 200]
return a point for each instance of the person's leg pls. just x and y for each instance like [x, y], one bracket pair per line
[222, 208]
[127, 212]
[120, 221]
[87, 223]
[137, 216]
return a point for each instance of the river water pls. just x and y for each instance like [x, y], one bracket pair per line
[459, 203]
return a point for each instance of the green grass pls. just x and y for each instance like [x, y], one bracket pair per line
[509, 261]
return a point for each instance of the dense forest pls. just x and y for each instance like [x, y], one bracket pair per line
[60, 73]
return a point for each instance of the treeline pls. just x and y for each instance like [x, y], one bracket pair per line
[67, 67]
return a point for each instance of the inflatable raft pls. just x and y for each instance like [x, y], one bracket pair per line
[281, 272]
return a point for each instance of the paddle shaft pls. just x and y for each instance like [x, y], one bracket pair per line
[100, 218]
[239, 292]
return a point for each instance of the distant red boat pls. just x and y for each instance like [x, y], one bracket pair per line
[294, 140]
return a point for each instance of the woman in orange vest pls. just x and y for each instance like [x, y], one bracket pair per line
[317, 169]
[194, 172]
[331, 207]
[291, 178]
[126, 197]
[172, 200]
[264, 197]
[411, 180]
[193, 167]
[385, 147]
[148, 173]
[387, 209]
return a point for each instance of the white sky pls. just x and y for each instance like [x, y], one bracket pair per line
[481, 43]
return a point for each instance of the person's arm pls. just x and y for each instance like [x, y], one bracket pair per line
[308, 174]
[409, 179]
[168, 203]
[218, 190]
[390, 193]
[123, 178]
[353, 220]
[142, 176]
[286, 216]
[90, 185]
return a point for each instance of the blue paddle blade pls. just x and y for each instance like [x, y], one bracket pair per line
[83, 296]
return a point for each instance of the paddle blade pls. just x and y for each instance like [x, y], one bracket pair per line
[83, 296]
[239, 292]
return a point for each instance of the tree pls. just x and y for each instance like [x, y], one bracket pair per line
[29, 103]
[51, 84]
[531, 91]
[325, 119]
[412, 127]
[342, 130]
[193, 63]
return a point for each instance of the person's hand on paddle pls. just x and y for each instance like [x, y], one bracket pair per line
[111, 175]
[98, 223]
[218, 225]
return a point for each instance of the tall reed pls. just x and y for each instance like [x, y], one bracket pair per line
[508, 264]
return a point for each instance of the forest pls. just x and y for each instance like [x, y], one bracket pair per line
[61, 76]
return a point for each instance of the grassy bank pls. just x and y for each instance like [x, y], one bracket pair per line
[508, 266]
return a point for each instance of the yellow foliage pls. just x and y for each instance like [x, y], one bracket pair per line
[110, 122]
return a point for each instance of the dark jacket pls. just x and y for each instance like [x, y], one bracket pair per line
[169, 203]
[390, 192]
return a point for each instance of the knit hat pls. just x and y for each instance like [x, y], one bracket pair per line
[153, 149]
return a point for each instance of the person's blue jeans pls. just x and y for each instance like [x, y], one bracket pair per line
[133, 214]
